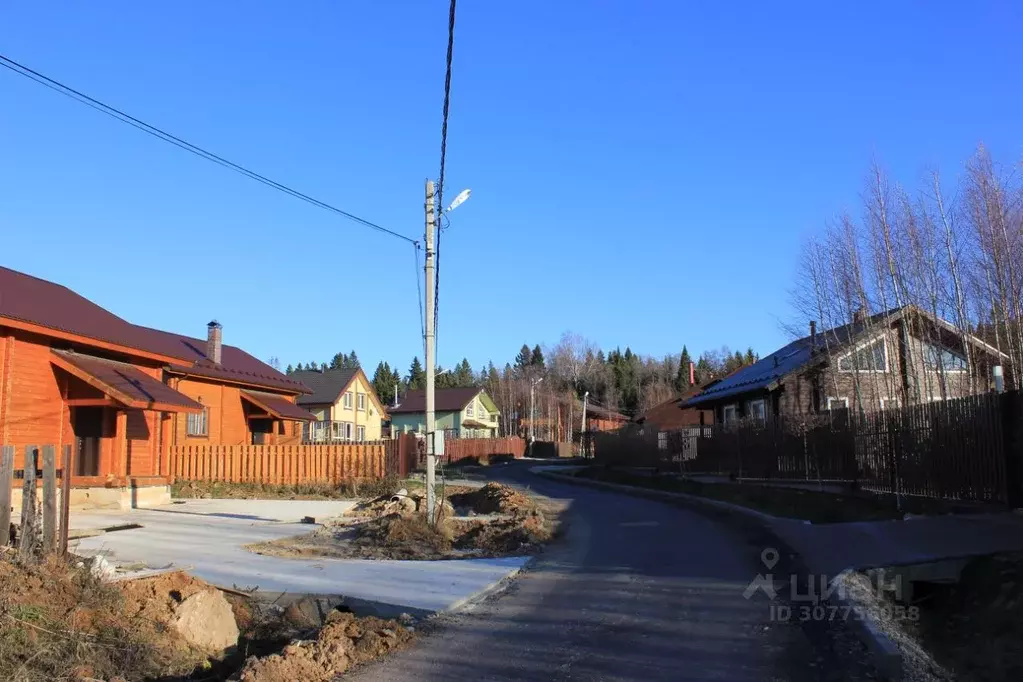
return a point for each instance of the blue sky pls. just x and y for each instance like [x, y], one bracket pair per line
[642, 173]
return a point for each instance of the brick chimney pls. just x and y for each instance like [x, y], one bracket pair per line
[813, 335]
[860, 315]
[213, 337]
[692, 373]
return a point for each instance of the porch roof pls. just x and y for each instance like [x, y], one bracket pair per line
[124, 383]
[277, 406]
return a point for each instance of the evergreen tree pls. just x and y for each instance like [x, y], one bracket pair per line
[353, 361]
[493, 378]
[382, 381]
[312, 366]
[289, 369]
[523, 359]
[751, 357]
[338, 361]
[682, 379]
[463, 374]
[536, 357]
[416, 376]
[324, 367]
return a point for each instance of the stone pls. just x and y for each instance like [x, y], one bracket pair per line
[205, 620]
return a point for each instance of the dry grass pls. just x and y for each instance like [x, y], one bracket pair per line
[347, 490]
[58, 622]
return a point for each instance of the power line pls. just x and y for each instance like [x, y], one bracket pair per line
[113, 112]
[443, 156]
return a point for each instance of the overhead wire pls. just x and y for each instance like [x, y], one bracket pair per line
[160, 134]
[443, 158]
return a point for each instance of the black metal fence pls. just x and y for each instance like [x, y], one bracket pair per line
[960, 449]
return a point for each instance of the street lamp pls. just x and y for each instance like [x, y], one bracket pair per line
[459, 200]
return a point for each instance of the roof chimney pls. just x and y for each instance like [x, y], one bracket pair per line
[213, 336]
[692, 373]
[813, 335]
[860, 315]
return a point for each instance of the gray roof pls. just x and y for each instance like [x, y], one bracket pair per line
[325, 386]
[760, 375]
[445, 400]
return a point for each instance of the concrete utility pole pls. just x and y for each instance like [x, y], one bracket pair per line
[431, 499]
[582, 434]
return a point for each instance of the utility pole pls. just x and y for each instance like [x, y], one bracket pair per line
[582, 434]
[431, 500]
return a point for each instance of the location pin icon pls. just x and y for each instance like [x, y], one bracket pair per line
[770, 557]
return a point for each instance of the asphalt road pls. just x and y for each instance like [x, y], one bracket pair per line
[635, 590]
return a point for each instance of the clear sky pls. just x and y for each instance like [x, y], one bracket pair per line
[643, 172]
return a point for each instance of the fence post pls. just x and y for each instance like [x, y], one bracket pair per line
[49, 498]
[65, 498]
[6, 481]
[28, 503]
[1012, 441]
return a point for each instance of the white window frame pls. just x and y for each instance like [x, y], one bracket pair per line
[346, 400]
[469, 409]
[857, 349]
[662, 440]
[837, 399]
[360, 433]
[734, 409]
[346, 431]
[198, 425]
[890, 403]
[360, 402]
[763, 409]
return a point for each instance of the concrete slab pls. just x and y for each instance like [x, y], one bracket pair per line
[209, 537]
[286, 511]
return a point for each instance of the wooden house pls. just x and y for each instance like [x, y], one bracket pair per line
[73, 373]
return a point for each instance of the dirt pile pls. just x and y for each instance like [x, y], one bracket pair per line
[398, 536]
[521, 534]
[344, 641]
[58, 622]
[493, 498]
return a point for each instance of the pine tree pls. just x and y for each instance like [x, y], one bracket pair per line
[416, 376]
[522, 360]
[353, 361]
[313, 366]
[463, 374]
[536, 357]
[751, 357]
[682, 380]
[289, 369]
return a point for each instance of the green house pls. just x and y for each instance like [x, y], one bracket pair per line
[461, 412]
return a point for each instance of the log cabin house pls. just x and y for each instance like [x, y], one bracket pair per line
[122, 395]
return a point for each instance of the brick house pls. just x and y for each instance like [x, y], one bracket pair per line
[73, 373]
[899, 357]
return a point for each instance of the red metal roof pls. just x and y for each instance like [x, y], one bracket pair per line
[124, 383]
[37, 301]
[277, 406]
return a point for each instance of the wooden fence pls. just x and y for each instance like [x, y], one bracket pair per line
[44, 523]
[483, 448]
[961, 449]
[286, 464]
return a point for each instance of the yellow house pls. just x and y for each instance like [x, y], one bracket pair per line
[345, 406]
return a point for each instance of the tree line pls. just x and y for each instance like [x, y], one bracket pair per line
[560, 375]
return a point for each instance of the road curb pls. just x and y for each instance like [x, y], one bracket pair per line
[496, 587]
[885, 653]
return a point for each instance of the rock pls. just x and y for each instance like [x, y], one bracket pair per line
[406, 619]
[205, 620]
[101, 568]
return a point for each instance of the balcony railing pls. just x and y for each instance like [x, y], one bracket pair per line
[327, 431]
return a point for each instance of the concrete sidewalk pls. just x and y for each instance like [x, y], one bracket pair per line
[206, 537]
[832, 548]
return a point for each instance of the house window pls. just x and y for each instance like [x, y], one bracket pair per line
[346, 430]
[347, 401]
[871, 357]
[198, 424]
[938, 357]
[730, 414]
[468, 410]
[360, 433]
[838, 403]
[758, 410]
[890, 403]
[662, 440]
[360, 401]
